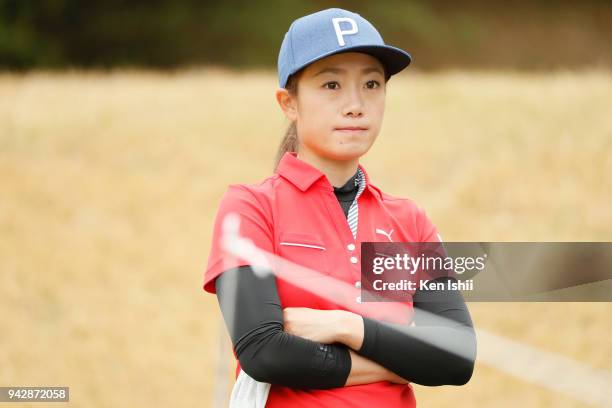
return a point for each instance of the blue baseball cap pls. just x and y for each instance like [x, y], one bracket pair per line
[333, 31]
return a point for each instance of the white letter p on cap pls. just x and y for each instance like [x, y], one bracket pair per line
[339, 33]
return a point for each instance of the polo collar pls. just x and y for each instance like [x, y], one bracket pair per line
[303, 175]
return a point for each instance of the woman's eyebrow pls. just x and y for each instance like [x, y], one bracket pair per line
[335, 70]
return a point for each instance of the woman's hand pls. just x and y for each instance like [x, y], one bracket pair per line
[394, 378]
[365, 371]
[322, 326]
[325, 326]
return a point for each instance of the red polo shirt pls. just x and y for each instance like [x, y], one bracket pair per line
[295, 214]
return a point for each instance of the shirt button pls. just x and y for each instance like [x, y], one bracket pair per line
[358, 284]
[351, 247]
[358, 299]
[353, 259]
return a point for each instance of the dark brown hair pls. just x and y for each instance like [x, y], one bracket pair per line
[289, 143]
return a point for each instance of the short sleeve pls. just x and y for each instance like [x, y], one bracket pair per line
[255, 225]
[427, 230]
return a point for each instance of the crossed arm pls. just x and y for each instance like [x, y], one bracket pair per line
[309, 348]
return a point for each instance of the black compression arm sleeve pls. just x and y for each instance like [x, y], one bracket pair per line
[411, 352]
[253, 315]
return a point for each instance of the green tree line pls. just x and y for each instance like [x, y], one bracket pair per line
[173, 33]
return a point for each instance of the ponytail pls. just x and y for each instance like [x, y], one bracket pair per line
[290, 141]
[288, 144]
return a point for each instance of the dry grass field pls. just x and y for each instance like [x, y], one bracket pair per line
[109, 182]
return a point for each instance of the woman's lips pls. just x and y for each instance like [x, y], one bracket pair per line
[351, 129]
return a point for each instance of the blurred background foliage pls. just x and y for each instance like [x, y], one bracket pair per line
[440, 34]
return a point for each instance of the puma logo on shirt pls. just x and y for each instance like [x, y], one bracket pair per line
[383, 232]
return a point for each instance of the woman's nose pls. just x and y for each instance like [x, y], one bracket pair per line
[354, 108]
[354, 103]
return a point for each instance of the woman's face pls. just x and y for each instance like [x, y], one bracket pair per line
[336, 93]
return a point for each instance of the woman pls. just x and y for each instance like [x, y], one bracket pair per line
[315, 210]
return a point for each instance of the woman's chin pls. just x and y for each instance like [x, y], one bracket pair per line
[349, 151]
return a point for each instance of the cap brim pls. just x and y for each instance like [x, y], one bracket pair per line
[393, 59]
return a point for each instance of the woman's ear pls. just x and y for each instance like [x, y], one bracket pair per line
[287, 103]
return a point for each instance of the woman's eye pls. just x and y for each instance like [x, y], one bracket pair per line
[334, 85]
[373, 84]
